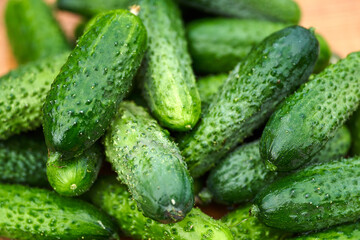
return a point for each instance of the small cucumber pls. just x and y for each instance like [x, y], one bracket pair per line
[286, 11]
[23, 92]
[324, 54]
[342, 232]
[33, 31]
[166, 75]
[31, 213]
[145, 159]
[113, 197]
[208, 87]
[271, 71]
[86, 94]
[74, 176]
[306, 120]
[314, 198]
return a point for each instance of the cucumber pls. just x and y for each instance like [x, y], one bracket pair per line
[216, 45]
[354, 124]
[86, 94]
[272, 70]
[306, 120]
[114, 199]
[33, 31]
[31, 213]
[166, 76]
[75, 176]
[208, 86]
[246, 227]
[145, 159]
[23, 92]
[324, 55]
[23, 160]
[275, 10]
[343, 232]
[242, 174]
[314, 198]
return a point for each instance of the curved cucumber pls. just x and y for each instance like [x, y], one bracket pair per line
[324, 54]
[343, 232]
[272, 70]
[23, 92]
[149, 164]
[166, 75]
[86, 94]
[113, 197]
[314, 198]
[306, 120]
[31, 213]
[33, 31]
[74, 176]
[208, 87]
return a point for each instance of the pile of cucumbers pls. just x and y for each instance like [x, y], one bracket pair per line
[190, 102]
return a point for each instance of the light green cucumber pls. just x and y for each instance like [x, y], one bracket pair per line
[349, 231]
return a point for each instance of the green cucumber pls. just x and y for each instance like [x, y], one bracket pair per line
[314, 198]
[150, 164]
[33, 31]
[23, 92]
[246, 227]
[166, 75]
[23, 160]
[90, 86]
[31, 213]
[306, 120]
[324, 55]
[242, 174]
[113, 197]
[342, 232]
[208, 86]
[354, 124]
[74, 176]
[286, 11]
[272, 70]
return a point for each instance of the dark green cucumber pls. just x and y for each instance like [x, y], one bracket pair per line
[306, 120]
[246, 227]
[23, 160]
[324, 55]
[86, 94]
[242, 174]
[31, 213]
[150, 164]
[166, 75]
[354, 124]
[314, 198]
[33, 31]
[113, 197]
[275, 10]
[208, 87]
[271, 71]
[23, 92]
[342, 232]
[74, 176]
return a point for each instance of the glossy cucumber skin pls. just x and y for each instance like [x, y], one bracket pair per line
[276, 10]
[32, 213]
[350, 231]
[306, 120]
[166, 75]
[86, 94]
[208, 86]
[33, 31]
[217, 45]
[324, 54]
[113, 198]
[314, 198]
[273, 70]
[242, 173]
[150, 164]
[23, 92]
[74, 176]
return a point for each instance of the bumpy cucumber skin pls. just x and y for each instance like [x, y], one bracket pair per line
[33, 31]
[242, 173]
[23, 92]
[273, 70]
[217, 45]
[23, 160]
[275, 10]
[208, 86]
[31, 213]
[306, 120]
[113, 197]
[86, 94]
[150, 164]
[246, 227]
[74, 176]
[324, 55]
[166, 75]
[314, 198]
[342, 232]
